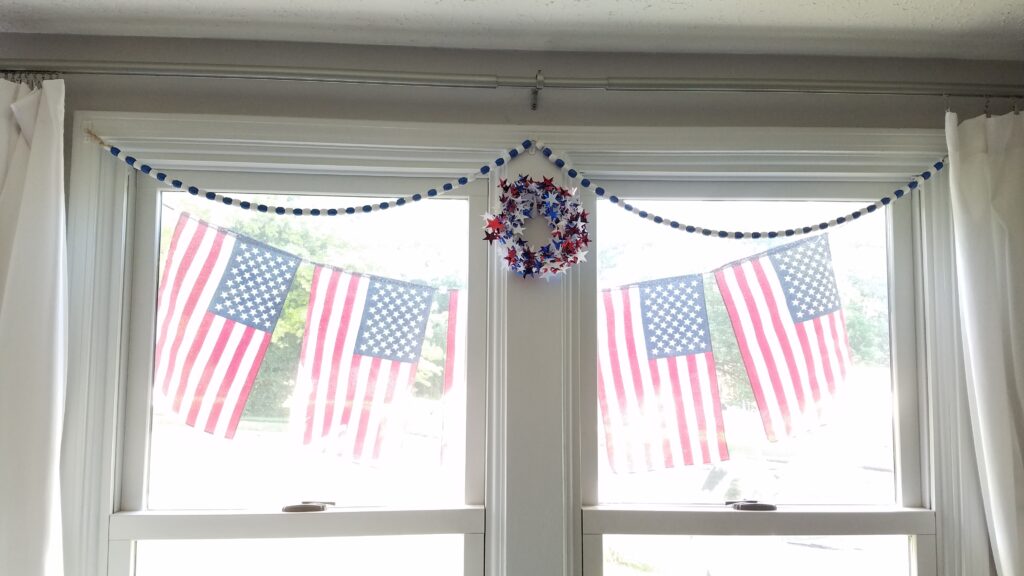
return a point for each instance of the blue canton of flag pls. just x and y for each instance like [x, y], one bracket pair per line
[394, 320]
[255, 284]
[805, 270]
[675, 318]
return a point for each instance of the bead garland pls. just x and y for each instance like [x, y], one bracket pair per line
[554, 158]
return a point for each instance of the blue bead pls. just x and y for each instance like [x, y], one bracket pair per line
[628, 207]
[738, 235]
[658, 219]
[755, 235]
[227, 200]
[400, 202]
[447, 186]
[384, 205]
[560, 163]
[416, 197]
[431, 192]
[899, 193]
[146, 169]
[912, 184]
[585, 183]
[823, 225]
[262, 207]
[773, 234]
[926, 174]
[527, 143]
[572, 173]
[722, 234]
[161, 176]
[643, 214]
[872, 208]
[790, 232]
[463, 181]
[245, 205]
[279, 210]
[599, 191]
[115, 150]
[350, 210]
[938, 165]
[485, 169]
[315, 211]
[193, 190]
[129, 160]
[332, 212]
[297, 211]
[856, 214]
[500, 162]
[211, 196]
[885, 201]
[513, 153]
[690, 229]
[613, 199]
[367, 208]
[547, 152]
[840, 220]
[176, 183]
[706, 232]
[807, 229]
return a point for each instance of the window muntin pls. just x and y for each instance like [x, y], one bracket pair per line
[850, 459]
[266, 462]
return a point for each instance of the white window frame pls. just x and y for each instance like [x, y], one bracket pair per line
[539, 519]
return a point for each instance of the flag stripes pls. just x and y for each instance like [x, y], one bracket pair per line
[659, 408]
[349, 391]
[794, 363]
[453, 396]
[206, 361]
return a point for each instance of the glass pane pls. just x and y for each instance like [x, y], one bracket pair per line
[366, 556]
[705, 433]
[629, 555]
[323, 420]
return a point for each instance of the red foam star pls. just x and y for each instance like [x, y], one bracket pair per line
[495, 224]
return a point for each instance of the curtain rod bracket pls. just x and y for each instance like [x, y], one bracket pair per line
[535, 92]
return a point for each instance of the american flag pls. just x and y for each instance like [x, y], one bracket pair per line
[785, 311]
[454, 392]
[657, 386]
[359, 352]
[219, 299]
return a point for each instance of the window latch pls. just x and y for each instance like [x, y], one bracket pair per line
[751, 505]
[308, 506]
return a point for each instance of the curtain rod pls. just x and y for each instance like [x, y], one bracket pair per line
[454, 80]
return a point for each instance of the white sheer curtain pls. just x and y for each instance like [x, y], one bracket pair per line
[987, 181]
[33, 326]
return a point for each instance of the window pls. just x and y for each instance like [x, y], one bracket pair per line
[529, 438]
[759, 415]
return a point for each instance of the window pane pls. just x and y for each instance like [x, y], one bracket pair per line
[378, 429]
[694, 442]
[628, 555]
[366, 556]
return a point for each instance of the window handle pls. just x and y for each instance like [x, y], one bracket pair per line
[751, 505]
[308, 506]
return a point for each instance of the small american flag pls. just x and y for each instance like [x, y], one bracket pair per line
[360, 350]
[785, 311]
[454, 391]
[657, 386]
[219, 299]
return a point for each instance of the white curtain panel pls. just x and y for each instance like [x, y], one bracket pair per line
[987, 182]
[33, 326]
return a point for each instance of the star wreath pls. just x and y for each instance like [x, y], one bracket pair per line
[520, 201]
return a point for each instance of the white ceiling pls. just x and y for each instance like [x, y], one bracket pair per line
[974, 29]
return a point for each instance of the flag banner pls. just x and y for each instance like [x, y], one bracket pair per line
[785, 311]
[454, 392]
[362, 343]
[657, 387]
[219, 299]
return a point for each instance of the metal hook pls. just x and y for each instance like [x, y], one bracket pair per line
[945, 101]
[535, 92]
[988, 100]
[1016, 111]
